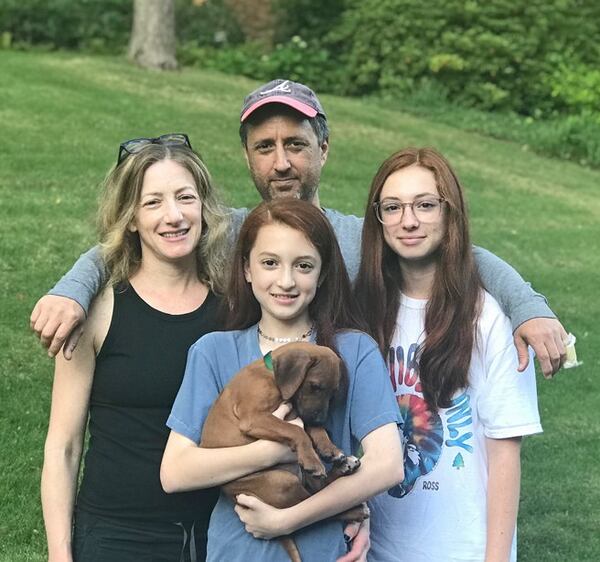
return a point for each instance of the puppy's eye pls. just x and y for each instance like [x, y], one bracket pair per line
[315, 387]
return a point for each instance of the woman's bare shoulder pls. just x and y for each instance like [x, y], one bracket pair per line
[100, 316]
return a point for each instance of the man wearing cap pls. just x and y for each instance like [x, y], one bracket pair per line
[285, 137]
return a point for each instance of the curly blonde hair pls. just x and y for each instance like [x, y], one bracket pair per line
[122, 188]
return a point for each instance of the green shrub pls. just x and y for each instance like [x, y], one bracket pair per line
[575, 86]
[301, 61]
[492, 55]
[309, 19]
[241, 59]
[98, 24]
[296, 59]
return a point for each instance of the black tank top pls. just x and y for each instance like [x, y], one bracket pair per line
[138, 373]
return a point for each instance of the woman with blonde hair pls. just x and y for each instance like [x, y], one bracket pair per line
[163, 234]
[452, 365]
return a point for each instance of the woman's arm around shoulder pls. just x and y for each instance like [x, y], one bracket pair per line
[66, 430]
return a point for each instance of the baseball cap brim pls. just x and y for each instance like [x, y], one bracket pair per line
[286, 100]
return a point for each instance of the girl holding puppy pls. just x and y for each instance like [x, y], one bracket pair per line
[288, 283]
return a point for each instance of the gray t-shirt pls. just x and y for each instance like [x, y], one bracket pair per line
[516, 297]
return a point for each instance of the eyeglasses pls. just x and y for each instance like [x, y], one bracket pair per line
[426, 209]
[135, 145]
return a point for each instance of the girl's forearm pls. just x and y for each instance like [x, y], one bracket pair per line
[186, 466]
[504, 476]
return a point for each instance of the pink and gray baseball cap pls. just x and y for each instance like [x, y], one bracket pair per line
[293, 94]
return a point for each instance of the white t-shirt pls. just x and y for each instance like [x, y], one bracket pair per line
[438, 513]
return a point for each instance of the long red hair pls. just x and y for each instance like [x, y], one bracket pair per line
[453, 307]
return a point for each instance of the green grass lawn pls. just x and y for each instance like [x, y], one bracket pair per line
[62, 118]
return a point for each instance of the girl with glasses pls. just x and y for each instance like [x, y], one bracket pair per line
[453, 368]
[163, 238]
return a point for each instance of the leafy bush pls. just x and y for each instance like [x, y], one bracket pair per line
[96, 24]
[492, 55]
[242, 59]
[575, 86]
[297, 60]
[309, 19]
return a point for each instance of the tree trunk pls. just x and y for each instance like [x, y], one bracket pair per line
[152, 42]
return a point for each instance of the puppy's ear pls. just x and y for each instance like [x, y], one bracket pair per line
[290, 366]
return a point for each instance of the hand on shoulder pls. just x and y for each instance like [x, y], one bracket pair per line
[57, 321]
[547, 337]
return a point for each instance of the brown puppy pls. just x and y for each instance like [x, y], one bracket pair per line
[310, 377]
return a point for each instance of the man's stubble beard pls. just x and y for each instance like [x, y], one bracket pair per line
[269, 194]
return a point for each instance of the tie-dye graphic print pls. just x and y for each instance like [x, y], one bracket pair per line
[439, 512]
[423, 436]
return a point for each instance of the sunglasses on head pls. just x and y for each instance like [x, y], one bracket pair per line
[135, 145]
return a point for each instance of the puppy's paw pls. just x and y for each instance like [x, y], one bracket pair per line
[310, 463]
[332, 454]
[338, 459]
[347, 465]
